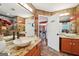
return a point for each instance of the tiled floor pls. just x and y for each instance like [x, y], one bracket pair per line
[47, 51]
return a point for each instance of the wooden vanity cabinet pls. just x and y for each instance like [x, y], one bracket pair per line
[70, 46]
[66, 45]
[36, 51]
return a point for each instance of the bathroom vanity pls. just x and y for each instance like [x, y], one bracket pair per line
[69, 44]
[34, 49]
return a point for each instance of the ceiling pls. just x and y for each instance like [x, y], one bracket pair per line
[14, 9]
[50, 7]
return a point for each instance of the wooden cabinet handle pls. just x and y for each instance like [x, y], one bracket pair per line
[73, 43]
[70, 43]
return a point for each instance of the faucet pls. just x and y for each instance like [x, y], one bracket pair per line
[18, 35]
[13, 35]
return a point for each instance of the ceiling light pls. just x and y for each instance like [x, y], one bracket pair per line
[12, 9]
[71, 17]
[64, 14]
[43, 24]
[4, 28]
[19, 21]
[26, 6]
[7, 13]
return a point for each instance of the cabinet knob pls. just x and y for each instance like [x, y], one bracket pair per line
[70, 43]
[73, 43]
[57, 34]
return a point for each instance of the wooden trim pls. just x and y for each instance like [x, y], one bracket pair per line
[25, 8]
[43, 22]
[60, 39]
[69, 53]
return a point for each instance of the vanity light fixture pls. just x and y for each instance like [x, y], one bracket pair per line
[64, 14]
[4, 28]
[71, 17]
[26, 6]
[12, 9]
[19, 21]
[7, 13]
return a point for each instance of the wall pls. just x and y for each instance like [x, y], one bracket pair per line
[45, 13]
[70, 10]
[36, 15]
[77, 19]
[37, 12]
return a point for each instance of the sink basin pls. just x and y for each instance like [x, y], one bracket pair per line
[8, 38]
[2, 46]
[22, 42]
[70, 35]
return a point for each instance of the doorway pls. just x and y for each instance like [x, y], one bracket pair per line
[42, 26]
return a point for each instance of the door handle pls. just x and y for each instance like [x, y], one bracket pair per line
[57, 34]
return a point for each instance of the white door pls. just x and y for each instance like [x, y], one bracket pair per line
[53, 28]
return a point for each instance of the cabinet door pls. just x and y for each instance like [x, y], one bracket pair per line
[66, 45]
[75, 47]
[36, 51]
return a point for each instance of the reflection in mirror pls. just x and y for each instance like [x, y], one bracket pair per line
[68, 24]
[20, 27]
[7, 26]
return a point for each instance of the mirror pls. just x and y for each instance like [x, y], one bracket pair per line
[7, 26]
[68, 24]
[20, 27]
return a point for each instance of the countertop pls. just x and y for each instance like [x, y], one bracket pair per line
[68, 35]
[21, 51]
[7, 38]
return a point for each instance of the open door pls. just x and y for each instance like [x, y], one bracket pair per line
[53, 31]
